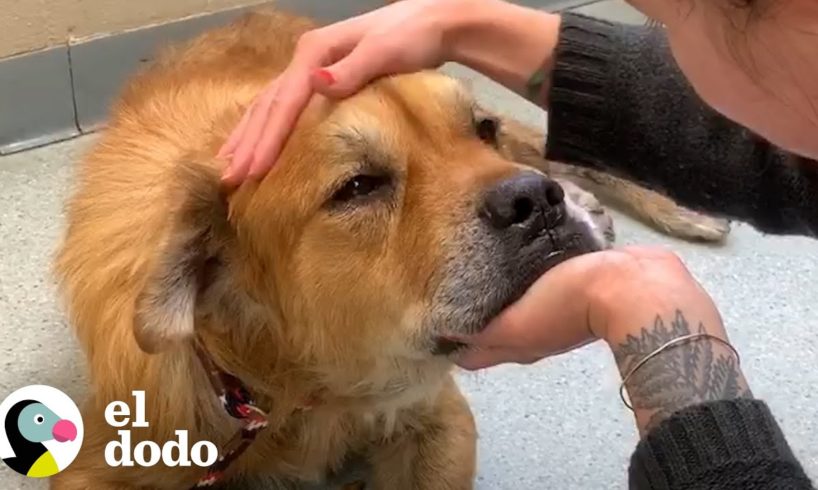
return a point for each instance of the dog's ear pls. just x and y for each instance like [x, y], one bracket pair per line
[189, 260]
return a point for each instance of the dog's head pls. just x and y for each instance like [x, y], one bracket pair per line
[390, 220]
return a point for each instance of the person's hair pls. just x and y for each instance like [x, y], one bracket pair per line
[728, 8]
[737, 17]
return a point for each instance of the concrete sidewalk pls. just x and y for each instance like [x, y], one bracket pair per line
[557, 425]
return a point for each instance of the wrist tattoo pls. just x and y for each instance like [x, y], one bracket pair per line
[686, 374]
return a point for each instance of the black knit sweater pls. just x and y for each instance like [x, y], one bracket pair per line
[619, 103]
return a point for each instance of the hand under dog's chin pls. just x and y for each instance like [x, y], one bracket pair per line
[565, 246]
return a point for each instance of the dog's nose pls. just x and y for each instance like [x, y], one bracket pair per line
[528, 201]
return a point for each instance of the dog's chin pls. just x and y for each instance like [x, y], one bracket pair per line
[565, 246]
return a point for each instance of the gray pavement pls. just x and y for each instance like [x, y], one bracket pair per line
[556, 425]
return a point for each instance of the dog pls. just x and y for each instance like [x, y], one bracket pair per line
[329, 289]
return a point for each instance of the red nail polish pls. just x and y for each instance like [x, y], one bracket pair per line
[325, 76]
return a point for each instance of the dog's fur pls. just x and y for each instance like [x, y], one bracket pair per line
[333, 311]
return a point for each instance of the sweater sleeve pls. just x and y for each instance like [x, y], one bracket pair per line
[618, 103]
[728, 444]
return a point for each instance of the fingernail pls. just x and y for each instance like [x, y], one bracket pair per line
[325, 76]
[227, 175]
[256, 176]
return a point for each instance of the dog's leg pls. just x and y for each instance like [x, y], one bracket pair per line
[649, 207]
[596, 212]
[440, 455]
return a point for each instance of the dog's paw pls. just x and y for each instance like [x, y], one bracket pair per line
[693, 226]
[600, 217]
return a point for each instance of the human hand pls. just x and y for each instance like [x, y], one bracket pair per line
[638, 300]
[336, 61]
[607, 295]
[506, 42]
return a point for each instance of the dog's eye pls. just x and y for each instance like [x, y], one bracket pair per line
[486, 128]
[360, 186]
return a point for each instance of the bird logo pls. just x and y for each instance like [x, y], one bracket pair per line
[42, 429]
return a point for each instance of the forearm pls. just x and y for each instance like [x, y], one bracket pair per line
[506, 42]
[699, 424]
[618, 103]
[685, 374]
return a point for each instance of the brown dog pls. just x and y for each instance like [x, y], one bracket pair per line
[391, 220]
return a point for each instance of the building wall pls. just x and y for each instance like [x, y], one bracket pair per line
[29, 25]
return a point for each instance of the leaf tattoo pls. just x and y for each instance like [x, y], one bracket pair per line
[685, 374]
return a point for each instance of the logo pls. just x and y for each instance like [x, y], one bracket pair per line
[41, 432]
[149, 453]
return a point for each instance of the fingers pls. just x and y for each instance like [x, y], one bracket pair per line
[279, 122]
[571, 305]
[260, 136]
[337, 61]
[507, 330]
[476, 359]
[251, 129]
[235, 137]
[239, 144]
[347, 76]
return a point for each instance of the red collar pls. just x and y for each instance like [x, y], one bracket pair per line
[239, 404]
[237, 401]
